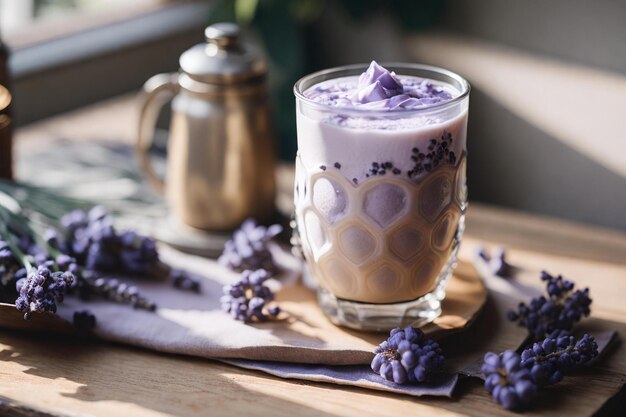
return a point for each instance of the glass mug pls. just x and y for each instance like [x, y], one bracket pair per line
[379, 220]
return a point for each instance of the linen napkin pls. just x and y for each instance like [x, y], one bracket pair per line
[301, 344]
[194, 324]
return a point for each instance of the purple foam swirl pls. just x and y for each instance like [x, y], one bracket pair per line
[377, 84]
[380, 89]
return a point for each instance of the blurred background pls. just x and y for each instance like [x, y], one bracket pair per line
[547, 130]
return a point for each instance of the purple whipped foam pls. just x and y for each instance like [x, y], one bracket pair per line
[380, 89]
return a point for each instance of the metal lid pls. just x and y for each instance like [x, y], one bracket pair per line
[224, 59]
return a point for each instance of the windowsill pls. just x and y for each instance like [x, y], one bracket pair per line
[71, 69]
[74, 23]
[103, 34]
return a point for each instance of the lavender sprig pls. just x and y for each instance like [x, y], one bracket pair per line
[508, 382]
[39, 281]
[248, 250]
[41, 290]
[247, 299]
[560, 310]
[112, 289]
[513, 380]
[407, 356]
[552, 358]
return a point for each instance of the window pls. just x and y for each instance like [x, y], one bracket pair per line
[76, 52]
[28, 21]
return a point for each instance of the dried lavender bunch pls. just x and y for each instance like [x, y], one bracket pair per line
[560, 310]
[509, 383]
[92, 239]
[248, 250]
[552, 358]
[42, 272]
[247, 299]
[407, 356]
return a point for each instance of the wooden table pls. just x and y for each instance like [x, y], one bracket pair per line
[53, 376]
[66, 377]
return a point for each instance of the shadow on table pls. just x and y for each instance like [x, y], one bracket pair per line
[170, 384]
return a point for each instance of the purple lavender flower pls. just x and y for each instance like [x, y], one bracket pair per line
[182, 280]
[94, 241]
[112, 289]
[74, 220]
[6, 255]
[407, 356]
[84, 320]
[138, 253]
[508, 382]
[247, 299]
[248, 250]
[66, 263]
[561, 309]
[8, 266]
[51, 237]
[41, 290]
[497, 263]
[7, 258]
[552, 358]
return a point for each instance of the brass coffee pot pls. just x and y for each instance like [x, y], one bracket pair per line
[221, 146]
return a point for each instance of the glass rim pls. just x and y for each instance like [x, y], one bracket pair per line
[299, 92]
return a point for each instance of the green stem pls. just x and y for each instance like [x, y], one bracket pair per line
[568, 349]
[25, 225]
[8, 236]
[11, 218]
[48, 204]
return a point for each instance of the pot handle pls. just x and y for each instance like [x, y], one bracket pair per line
[156, 92]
